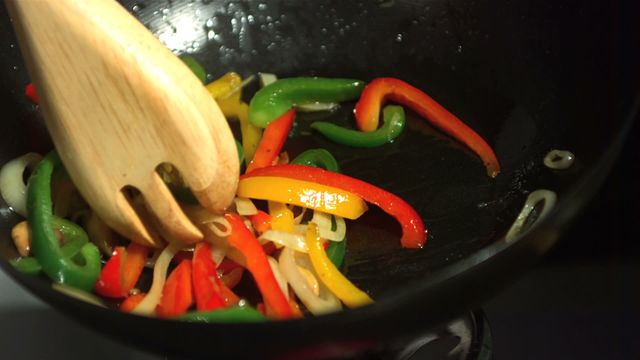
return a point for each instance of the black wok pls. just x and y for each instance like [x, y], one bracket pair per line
[529, 76]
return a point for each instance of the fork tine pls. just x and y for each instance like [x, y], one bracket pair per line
[170, 216]
[126, 221]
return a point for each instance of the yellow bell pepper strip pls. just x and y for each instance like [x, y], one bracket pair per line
[309, 194]
[272, 141]
[275, 99]
[251, 135]
[243, 239]
[227, 91]
[414, 234]
[367, 112]
[339, 285]
[281, 217]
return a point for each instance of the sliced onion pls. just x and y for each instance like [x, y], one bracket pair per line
[79, 294]
[12, 186]
[267, 79]
[282, 281]
[323, 221]
[294, 241]
[559, 159]
[148, 305]
[290, 264]
[533, 199]
[245, 206]
[218, 253]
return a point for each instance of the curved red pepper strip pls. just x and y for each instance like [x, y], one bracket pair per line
[367, 113]
[205, 279]
[414, 234]
[121, 273]
[177, 296]
[257, 263]
[272, 141]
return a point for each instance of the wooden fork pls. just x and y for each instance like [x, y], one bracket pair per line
[118, 104]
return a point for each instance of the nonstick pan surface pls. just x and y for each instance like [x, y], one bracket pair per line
[528, 76]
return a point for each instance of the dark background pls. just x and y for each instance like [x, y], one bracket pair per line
[582, 301]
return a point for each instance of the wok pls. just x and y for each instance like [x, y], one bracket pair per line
[528, 76]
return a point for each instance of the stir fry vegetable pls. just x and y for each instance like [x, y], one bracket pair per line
[286, 228]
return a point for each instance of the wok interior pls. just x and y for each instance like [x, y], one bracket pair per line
[525, 75]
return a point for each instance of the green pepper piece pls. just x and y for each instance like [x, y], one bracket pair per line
[74, 238]
[275, 99]
[323, 159]
[235, 314]
[317, 158]
[80, 271]
[394, 121]
[195, 67]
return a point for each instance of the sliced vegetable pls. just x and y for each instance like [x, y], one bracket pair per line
[394, 120]
[310, 194]
[206, 284]
[367, 112]
[297, 269]
[121, 273]
[195, 67]
[235, 314]
[272, 101]
[261, 221]
[80, 270]
[12, 186]
[272, 141]
[321, 158]
[413, 232]
[258, 265]
[177, 295]
[281, 217]
[330, 275]
[131, 302]
[148, 305]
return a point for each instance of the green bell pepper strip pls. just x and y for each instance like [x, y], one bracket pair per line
[323, 159]
[80, 271]
[275, 99]
[234, 314]
[394, 121]
[195, 67]
[74, 238]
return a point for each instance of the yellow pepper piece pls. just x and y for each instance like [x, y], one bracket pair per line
[227, 91]
[281, 217]
[251, 134]
[330, 276]
[303, 193]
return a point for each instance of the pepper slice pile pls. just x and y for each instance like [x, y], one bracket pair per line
[414, 234]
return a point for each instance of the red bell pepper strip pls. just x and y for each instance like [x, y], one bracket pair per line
[30, 91]
[109, 282]
[272, 141]
[261, 221]
[131, 302]
[367, 113]
[177, 296]
[257, 263]
[206, 286]
[414, 234]
[121, 273]
[135, 258]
